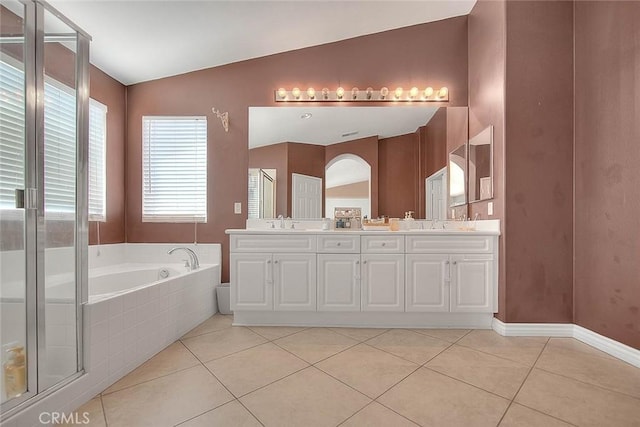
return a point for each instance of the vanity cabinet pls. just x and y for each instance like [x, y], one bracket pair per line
[382, 282]
[339, 282]
[402, 279]
[461, 280]
[273, 273]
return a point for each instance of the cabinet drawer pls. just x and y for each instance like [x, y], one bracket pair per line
[383, 244]
[339, 244]
[280, 243]
[452, 244]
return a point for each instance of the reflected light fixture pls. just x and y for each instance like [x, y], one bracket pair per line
[368, 95]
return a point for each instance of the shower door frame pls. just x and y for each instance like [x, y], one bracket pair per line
[34, 243]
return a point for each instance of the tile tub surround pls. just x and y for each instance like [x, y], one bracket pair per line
[357, 379]
[123, 331]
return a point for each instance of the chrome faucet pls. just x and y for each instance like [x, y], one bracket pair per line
[281, 218]
[194, 264]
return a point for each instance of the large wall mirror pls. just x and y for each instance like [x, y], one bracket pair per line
[481, 166]
[373, 158]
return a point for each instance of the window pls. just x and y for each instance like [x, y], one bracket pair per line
[60, 146]
[174, 169]
[97, 161]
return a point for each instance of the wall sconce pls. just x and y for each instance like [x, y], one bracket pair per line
[224, 118]
[369, 95]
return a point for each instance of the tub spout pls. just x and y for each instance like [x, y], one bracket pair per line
[194, 264]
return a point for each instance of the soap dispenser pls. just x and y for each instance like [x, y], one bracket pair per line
[15, 372]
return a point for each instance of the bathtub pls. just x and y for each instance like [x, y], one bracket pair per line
[141, 300]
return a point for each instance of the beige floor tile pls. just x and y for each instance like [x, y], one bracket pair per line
[376, 415]
[589, 366]
[315, 344]
[449, 335]
[491, 373]
[578, 403]
[432, 399]
[409, 345]
[521, 416]
[307, 398]
[359, 334]
[253, 368]
[173, 358]
[215, 345]
[168, 400]
[274, 332]
[90, 414]
[519, 349]
[231, 414]
[367, 369]
[573, 344]
[216, 322]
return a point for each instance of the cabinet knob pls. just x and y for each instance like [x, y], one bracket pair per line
[268, 261]
[446, 262]
[357, 262]
[455, 262]
[364, 262]
[384, 244]
[276, 261]
[338, 244]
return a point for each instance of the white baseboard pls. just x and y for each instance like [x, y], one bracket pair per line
[569, 330]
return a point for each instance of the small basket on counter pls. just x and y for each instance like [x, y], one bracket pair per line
[347, 218]
[380, 224]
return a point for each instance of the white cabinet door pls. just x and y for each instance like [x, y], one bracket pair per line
[472, 283]
[338, 282]
[382, 282]
[251, 282]
[294, 278]
[427, 282]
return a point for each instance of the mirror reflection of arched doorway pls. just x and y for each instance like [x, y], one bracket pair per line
[347, 184]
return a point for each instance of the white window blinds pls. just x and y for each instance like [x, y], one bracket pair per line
[174, 169]
[60, 145]
[97, 161]
[11, 134]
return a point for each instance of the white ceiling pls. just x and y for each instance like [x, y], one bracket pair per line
[136, 41]
[346, 171]
[272, 125]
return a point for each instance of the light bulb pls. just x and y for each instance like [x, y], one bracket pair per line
[413, 92]
[443, 92]
[340, 92]
[369, 92]
[282, 93]
[296, 93]
[398, 92]
[325, 93]
[428, 92]
[311, 93]
[354, 93]
[384, 92]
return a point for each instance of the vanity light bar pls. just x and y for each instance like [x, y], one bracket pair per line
[368, 95]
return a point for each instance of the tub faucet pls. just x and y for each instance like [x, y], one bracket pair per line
[194, 264]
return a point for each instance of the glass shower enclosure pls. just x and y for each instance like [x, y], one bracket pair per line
[43, 200]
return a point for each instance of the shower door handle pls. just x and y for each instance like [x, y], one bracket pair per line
[27, 198]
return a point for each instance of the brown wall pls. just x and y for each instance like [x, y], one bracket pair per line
[487, 79]
[357, 190]
[273, 157]
[111, 93]
[398, 175]
[304, 159]
[367, 148]
[539, 158]
[607, 177]
[407, 60]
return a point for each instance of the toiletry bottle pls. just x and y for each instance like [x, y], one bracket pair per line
[15, 373]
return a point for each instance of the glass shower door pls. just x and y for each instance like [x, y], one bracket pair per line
[17, 224]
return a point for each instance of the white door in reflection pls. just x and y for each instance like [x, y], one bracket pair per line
[348, 184]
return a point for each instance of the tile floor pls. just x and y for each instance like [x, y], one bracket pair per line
[223, 375]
